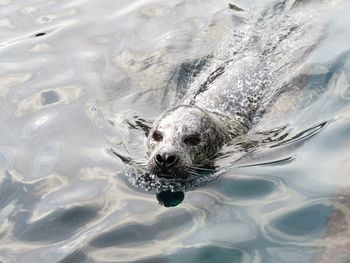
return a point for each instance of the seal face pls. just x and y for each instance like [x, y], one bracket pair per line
[183, 142]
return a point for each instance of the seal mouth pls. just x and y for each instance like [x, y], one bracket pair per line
[181, 173]
[166, 176]
[184, 173]
[172, 174]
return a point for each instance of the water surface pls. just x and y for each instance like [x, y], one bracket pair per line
[79, 78]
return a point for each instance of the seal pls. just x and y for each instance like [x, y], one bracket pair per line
[185, 140]
[230, 96]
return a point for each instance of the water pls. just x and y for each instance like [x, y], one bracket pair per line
[79, 78]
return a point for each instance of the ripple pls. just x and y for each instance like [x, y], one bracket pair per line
[210, 254]
[155, 259]
[225, 232]
[45, 19]
[3, 160]
[31, 9]
[304, 135]
[155, 11]
[60, 95]
[12, 80]
[40, 48]
[6, 156]
[64, 199]
[282, 161]
[134, 233]
[303, 224]
[75, 257]
[6, 23]
[10, 190]
[58, 225]
[5, 2]
[247, 188]
[46, 158]
[289, 255]
[38, 123]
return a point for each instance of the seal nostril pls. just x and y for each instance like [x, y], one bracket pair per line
[159, 159]
[171, 160]
[165, 161]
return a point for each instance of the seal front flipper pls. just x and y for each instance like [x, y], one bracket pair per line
[123, 158]
[137, 122]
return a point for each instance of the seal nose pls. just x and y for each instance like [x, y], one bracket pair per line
[165, 160]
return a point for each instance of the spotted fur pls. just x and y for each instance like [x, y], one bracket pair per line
[181, 121]
[232, 93]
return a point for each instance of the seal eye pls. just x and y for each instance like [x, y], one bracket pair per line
[157, 136]
[192, 140]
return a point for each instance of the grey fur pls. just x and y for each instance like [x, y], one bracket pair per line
[214, 129]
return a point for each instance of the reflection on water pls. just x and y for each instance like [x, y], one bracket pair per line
[302, 225]
[79, 78]
[246, 188]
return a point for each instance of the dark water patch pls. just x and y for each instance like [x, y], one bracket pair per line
[152, 260]
[14, 191]
[49, 97]
[303, 224]
[133, 233]
[127, 234]
[40, 34]
[244, 188]
[290, 254]
[209, 254]
[59, 225]
[9, 191]
[3, 161]
[76, 257]
[319, 81]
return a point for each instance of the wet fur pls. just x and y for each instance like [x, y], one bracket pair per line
[177, 123]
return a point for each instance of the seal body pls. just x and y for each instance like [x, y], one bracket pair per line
[231, 94]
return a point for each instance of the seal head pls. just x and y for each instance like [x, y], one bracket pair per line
[183, 142]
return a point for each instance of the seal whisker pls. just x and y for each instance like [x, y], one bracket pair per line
[207, 167]
[203, 169]
[185, 172]
[201, 166]
[193, 173]
[178, 172]
[213, 156]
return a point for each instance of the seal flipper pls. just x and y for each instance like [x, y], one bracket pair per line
[142, 124]
[124, 159]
